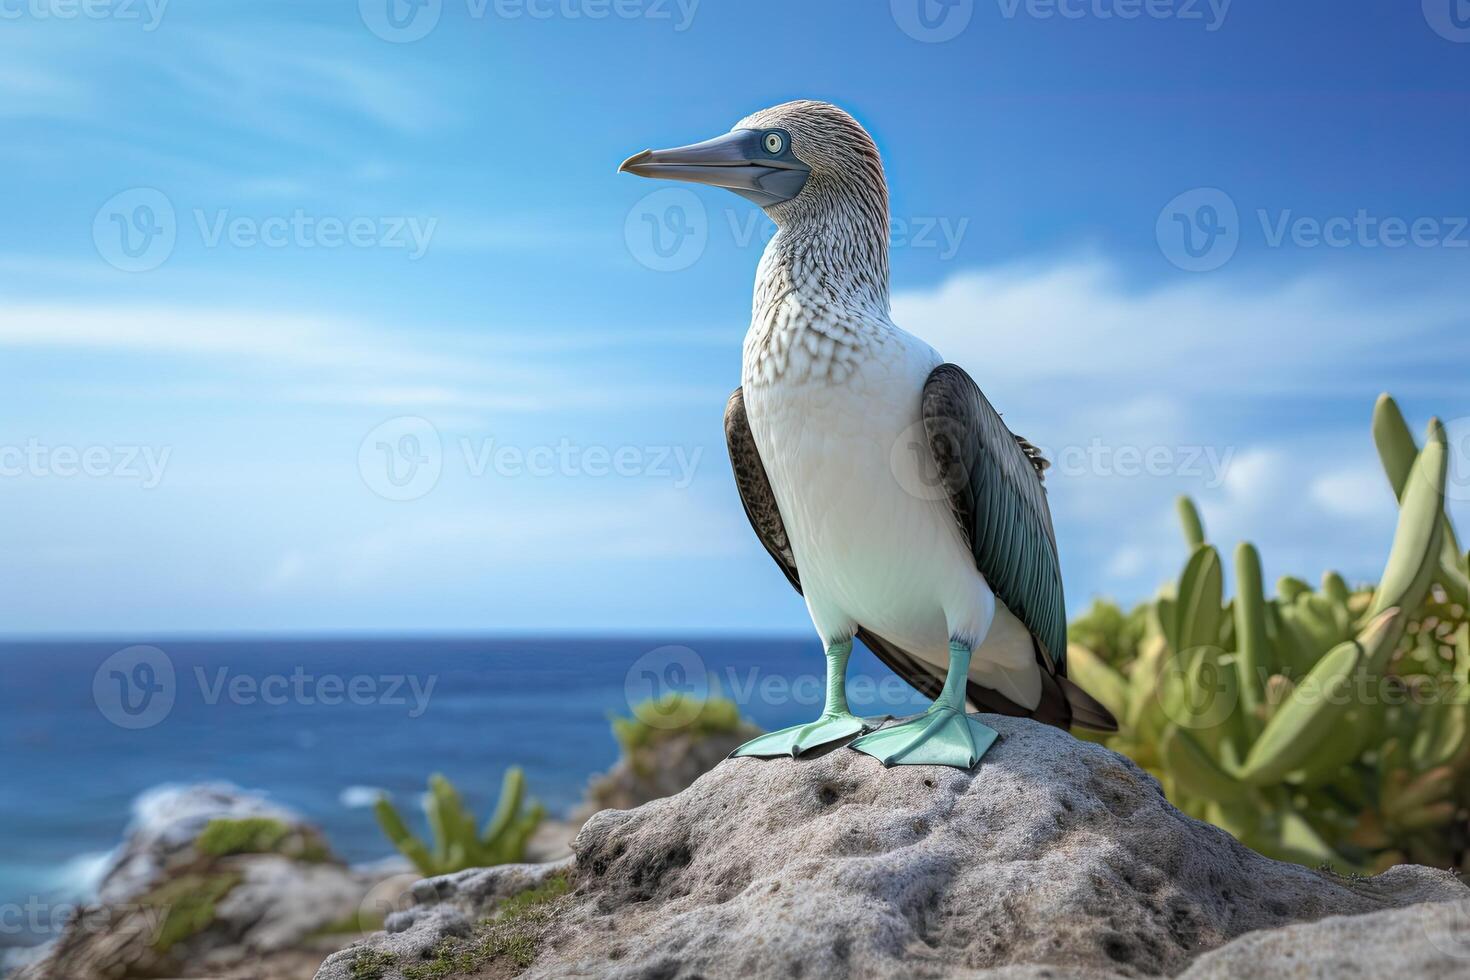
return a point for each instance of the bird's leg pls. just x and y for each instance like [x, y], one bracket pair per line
[944, 735]
[837, 722]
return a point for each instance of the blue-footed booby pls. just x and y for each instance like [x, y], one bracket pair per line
[878, 477]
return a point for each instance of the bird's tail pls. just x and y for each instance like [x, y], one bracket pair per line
[1087, 711]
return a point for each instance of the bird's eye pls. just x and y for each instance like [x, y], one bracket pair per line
[775, 143]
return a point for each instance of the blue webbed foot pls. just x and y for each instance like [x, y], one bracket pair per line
[941, 736]
[833, 726]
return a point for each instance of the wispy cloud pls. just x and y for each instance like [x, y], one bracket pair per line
[1038, 322]
[327, 360]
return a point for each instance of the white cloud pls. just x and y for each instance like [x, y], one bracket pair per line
[1025, 323]
[1357, 491]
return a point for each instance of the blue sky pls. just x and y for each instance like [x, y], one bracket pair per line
[254, 253]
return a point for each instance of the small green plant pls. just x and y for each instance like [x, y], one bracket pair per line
[371, 964]
[458, 844]
[252, 835]
[1327, 726]
[225, 836]
[674, 714]
[188, 903]
[512, 935]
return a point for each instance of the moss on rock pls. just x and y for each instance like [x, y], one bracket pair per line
[188, 903]
[512, 937]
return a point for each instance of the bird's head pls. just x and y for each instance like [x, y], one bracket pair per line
[798, 161]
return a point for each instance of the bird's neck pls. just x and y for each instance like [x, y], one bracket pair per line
[821, 294]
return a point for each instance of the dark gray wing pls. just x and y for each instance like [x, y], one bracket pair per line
[996, 494]
[1058, 703]
[994, 481]
[755, 488]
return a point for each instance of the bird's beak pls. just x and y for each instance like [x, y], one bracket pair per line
[736, 161]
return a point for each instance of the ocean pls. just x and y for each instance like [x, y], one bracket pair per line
[323, 725]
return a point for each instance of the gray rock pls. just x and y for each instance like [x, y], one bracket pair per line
[166, 822]
[1423, 942]
[1054, 857]
[665, 766]
[242, 909]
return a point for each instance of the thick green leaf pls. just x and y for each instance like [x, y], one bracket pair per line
[1194, 527]
[1201, 595]
[1298, 728]
[1098, 679]
[1253, 660]
[1413, 562]
[1398, 452]
[1196, 772]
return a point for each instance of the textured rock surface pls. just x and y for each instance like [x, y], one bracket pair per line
[1054, 855]
[1425, 942]
[166, 822]
[167, 909]
[662, 768]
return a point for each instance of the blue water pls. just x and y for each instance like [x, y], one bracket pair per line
[318, 724]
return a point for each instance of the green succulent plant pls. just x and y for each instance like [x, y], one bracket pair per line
[458, 844]
[1326, 726]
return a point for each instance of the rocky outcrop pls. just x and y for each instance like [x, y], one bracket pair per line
[211, 881]
[663, 767]
[1054, 857]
